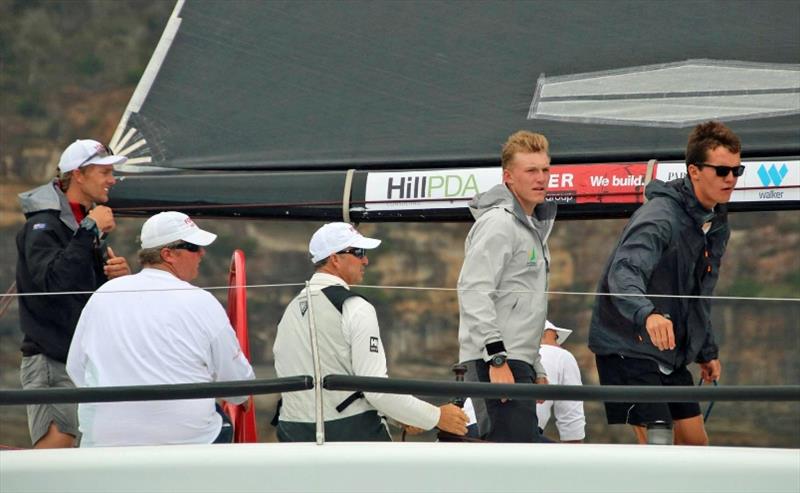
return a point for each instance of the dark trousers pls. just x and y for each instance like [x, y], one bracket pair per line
[513, 420]
[226, 432]
[364, 427]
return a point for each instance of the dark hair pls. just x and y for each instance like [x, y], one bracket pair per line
[708, 136]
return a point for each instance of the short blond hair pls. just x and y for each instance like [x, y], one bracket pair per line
[523, 141]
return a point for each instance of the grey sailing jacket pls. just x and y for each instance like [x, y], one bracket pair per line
[662, 251]
[501, 289]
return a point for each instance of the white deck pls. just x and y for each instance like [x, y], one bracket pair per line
[413, 467]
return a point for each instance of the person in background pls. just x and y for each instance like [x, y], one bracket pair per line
[349, 343]
[562, 369]
[62, 247]
[155, 328]
[502, 287]
[671, 249]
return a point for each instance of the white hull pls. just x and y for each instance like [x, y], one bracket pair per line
[412, 467]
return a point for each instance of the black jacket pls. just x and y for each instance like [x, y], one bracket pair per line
[662, 251]
[53, 254]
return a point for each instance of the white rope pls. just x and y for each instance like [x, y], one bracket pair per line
[424, 288]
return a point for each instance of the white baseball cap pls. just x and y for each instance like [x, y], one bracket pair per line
[561, 334]
[335, 237]
[85, 152]
[166, 227]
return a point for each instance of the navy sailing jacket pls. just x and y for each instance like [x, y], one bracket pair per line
[53, 254]
[662, 250]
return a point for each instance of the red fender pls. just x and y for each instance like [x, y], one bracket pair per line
[244, 423]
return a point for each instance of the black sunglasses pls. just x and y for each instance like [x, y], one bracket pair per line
[185, 245]
[356, 252]
[722, 171]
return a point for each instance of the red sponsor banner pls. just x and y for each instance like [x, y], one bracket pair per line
[620, 183]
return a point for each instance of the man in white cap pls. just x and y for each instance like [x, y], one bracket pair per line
[562, 369]
[154, 328]
[349, 344]
[62, 247]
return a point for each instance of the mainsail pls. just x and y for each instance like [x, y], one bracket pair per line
[281, 99]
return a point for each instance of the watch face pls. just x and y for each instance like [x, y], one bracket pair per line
[498, 360]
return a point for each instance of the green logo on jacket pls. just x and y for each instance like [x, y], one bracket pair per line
[532, 258]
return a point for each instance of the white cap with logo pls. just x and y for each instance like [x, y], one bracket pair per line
[85, 152]
[561, 334]
[335, 237]
[167, 227]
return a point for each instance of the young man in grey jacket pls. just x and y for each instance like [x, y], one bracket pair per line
[673, 246]
[502, 287]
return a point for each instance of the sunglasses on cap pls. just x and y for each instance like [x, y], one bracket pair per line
[103, 151]
[185, 245]
[356, 252]
[722, 171]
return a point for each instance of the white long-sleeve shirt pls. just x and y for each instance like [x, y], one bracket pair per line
[160, 330]
[355, 350]
[562, 369]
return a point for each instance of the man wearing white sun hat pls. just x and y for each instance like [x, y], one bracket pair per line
[154, 328]
[349, 344]
[62, 247]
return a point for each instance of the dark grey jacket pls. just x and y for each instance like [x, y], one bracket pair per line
[662, 251]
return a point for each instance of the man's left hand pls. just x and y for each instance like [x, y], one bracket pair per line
[115, 266]
[711, 370]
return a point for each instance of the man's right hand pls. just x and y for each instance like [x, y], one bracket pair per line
[659, 328]
[104, 218]
[452, 419]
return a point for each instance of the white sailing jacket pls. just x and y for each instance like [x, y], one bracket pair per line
[349, 344]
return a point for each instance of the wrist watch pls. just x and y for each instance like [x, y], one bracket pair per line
[498, 360]
[89, 224]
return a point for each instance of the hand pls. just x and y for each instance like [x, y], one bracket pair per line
[104, 218]
[452, 419]
[541, 381]
[660, 330]
[413, 430]
[115, 266]
[711, 370]
[501, 374]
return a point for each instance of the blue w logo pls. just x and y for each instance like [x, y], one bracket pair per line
[772, 175]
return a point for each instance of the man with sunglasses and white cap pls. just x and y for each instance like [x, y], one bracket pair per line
[62, 247]
[153, 328]
[672, 247]
[349, 344]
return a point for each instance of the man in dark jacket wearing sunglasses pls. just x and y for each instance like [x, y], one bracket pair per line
[672, 246]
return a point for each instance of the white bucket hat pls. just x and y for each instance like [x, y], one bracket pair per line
[167, 227]
[85, 152]
[335, 237]
[561, 334]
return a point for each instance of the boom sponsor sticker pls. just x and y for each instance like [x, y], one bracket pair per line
[761, 181]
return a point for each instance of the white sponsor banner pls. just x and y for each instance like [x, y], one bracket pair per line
[432, 189]
[762, 180]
